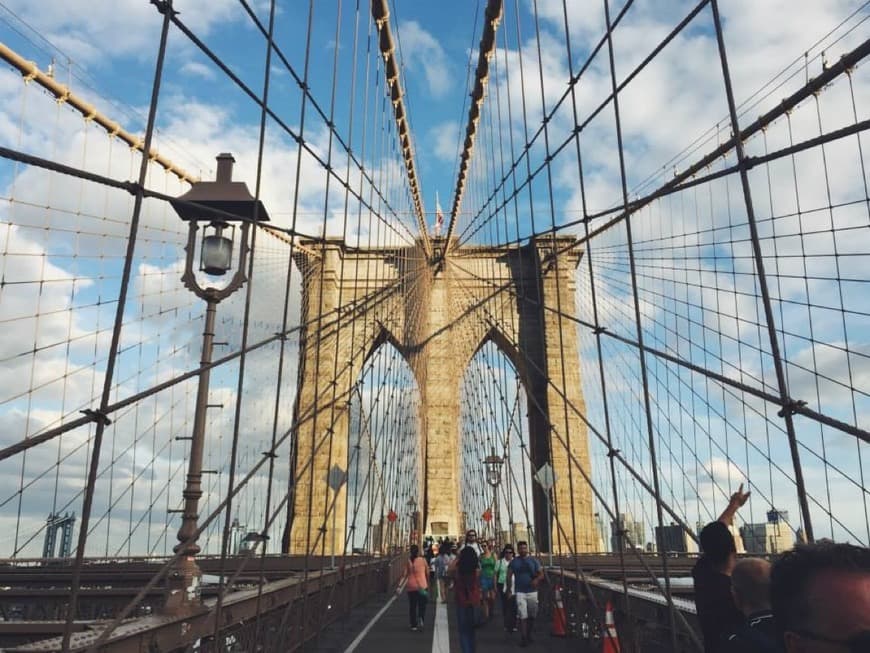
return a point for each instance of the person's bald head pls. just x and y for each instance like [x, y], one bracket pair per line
[750, 585]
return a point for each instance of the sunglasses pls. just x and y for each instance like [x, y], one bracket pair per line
[855, 644]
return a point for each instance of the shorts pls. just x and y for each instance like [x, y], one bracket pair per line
[527, 605]
[486, 584]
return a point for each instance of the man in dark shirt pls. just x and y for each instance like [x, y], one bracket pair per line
[750, 586]
[717, 612]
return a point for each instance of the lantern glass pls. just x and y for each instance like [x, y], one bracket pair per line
[493, 465]
[216, 255]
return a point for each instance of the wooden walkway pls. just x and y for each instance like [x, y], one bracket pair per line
[382, 626]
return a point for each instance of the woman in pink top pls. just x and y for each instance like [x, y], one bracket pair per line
[417, 575]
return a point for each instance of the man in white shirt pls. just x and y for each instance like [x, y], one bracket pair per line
[471, 541]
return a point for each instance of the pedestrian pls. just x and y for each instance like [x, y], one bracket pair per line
[432, 563]
[465, 570]
[525, 573]
[820, 595]
[442, 564]
[750, 587]
[471, 541]
[508, 606]
[487, 579]
[717, 613]
[417, 577]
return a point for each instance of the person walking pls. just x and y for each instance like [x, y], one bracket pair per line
[417, 577]
[465, 570]
[508, 609]
[487, 579]
[526, 573]
[442, 564]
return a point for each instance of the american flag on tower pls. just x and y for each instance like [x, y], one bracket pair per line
[439, 217]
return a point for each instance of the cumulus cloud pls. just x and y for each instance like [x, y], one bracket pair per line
[423, 53]
[196, 69]
[122, 28]
[445, 137]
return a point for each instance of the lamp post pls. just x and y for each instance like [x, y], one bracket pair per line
[493, 465]
[412, 507]
[216, 205]
[335, 479]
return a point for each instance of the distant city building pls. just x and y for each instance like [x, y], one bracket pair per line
[738, 538]
[674, 539]
[600, 529]
[800, 536]
[772, 536]
[376, 537]
[635, 530]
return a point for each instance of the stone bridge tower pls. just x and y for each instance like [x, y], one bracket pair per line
[438, 316]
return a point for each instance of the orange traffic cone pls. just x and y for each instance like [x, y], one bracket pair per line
[610, 642]
[559, 621]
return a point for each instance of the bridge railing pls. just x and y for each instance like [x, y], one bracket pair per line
[642, 622]
[278, 616]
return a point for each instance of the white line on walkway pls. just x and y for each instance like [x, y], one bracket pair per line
[441, 637]
[370, 624]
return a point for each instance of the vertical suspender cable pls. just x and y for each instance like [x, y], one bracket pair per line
[787, 412]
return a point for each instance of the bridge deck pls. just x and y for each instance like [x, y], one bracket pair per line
[383, 626]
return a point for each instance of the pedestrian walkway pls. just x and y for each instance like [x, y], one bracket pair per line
[387, 630]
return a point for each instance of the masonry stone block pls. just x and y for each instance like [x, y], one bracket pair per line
[353, 301]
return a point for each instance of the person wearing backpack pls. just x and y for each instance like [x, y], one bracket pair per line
[524, 574]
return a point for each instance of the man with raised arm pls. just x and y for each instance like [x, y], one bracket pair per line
[714, 602]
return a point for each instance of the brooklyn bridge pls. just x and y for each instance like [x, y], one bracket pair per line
[288, 287]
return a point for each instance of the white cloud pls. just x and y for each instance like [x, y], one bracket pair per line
[423, 53]
[446, 141]
[119, 28]
[196, 69]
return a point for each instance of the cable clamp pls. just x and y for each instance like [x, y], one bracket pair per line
[791, 407]
[97, 416]
[270, 454]
[599, 330]
[613, 452]
[163, 6]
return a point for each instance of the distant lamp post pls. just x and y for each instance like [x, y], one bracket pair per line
[412, 507]
[216, 206]
[493, 465]
[336, 478]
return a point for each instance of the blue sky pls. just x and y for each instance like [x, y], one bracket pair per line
[106, 51]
